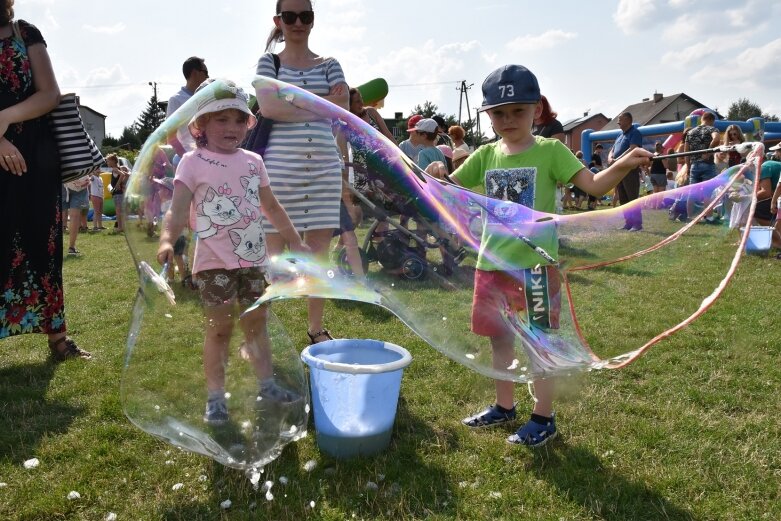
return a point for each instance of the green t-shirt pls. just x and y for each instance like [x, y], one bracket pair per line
[529, 179]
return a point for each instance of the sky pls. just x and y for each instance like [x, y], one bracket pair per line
[597, 56]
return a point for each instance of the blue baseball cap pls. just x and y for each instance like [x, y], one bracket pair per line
[510, 84]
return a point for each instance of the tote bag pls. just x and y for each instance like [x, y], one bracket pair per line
[257, 139]
[79, 156]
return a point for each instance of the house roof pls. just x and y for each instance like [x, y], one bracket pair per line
[93, 111]
[646, 111]
[569, 125]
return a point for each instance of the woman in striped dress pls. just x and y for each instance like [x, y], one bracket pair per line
[302, 159]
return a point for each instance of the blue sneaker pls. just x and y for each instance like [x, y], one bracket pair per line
[216, 412]
[489, 417]
[534, 434]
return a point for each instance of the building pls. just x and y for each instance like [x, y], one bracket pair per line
[574, 128]
[659, 109]
[94, 122]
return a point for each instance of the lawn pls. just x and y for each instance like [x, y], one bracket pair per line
[690, 431]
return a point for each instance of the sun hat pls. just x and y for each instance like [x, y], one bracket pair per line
[459, 153]
[412, 120]
[446, 150]
[510, 84]
[225, 96]
[777, 146]
[424, 125]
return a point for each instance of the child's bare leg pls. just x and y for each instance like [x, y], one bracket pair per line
[543, 392]
[353, 254]
[503, 355]
[219, 326]
[181, 266]
[257, 345]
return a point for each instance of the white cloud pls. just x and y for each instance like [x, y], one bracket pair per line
[634, 15]
[106, 29]
[694, 54]
[546, 40]
[752, 68]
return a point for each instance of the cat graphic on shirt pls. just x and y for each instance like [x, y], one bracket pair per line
[215, 211]
[251, 185]
[250, 244]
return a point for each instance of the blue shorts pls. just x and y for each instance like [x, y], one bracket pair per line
[346, 223]
[74, 200]
[700, 171]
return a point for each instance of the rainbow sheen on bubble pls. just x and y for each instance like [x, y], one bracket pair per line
[420, 241]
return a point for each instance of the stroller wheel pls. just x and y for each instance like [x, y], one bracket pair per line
[413, 267]
[340, 259]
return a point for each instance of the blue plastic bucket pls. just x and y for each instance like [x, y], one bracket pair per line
[759, 239]
[355, 391]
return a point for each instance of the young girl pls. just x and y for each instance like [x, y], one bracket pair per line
[96, 197]
[227, 189]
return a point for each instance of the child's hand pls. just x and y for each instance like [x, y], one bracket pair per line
[301, 247]
[165, 253]
[637, 157]
[338, 90]
[437, 170]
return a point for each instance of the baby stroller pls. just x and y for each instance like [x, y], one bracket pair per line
[391, 240]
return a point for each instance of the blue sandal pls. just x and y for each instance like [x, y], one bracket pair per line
[534, 434]
[489, 417]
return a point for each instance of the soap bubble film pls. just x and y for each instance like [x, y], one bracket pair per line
[420, 241]
[164, 389]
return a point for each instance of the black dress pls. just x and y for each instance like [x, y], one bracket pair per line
[31, 299]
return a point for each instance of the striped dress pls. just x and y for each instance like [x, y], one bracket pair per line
[302, 159]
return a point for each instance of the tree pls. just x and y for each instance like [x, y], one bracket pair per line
[130, 137]
[745, 109]
[150, 119]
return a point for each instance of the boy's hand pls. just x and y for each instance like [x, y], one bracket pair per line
[637, 157]
[437, 169]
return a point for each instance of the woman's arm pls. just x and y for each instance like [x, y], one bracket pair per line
[45, 98]
[47, 93]
[339, 95]
[375, 115]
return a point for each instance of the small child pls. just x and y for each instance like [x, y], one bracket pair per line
[511, 97]
[227, 189]
[424, 135]
[96, 197]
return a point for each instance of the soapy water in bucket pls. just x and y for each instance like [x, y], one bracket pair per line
[570, 317]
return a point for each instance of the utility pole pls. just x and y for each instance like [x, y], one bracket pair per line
[153, 84]
[463, 95]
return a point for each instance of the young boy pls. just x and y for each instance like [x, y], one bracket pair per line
[424, 135]
[511, 98]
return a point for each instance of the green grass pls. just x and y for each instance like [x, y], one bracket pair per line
[690, 431]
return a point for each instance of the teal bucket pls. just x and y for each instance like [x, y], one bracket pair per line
[355, 388]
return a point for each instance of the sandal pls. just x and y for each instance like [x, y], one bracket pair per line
[323, 332]
[70, 350]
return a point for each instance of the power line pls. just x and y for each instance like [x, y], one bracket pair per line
[111, 86]
[424, 84]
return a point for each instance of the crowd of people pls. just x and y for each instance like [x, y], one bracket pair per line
[299, 185]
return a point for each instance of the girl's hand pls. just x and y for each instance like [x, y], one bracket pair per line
[301, 247]
[11, 159]
[165, 253]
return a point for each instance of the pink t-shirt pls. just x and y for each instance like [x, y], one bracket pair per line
[226, 208]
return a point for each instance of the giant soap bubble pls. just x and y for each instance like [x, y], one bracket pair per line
[164, 387]
[420, 244]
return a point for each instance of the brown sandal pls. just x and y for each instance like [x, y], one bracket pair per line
[70, 350]
[323, 332]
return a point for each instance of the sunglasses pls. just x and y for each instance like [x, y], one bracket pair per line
[289, 17]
